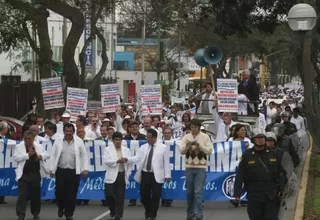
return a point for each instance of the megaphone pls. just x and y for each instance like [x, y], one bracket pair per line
[209, 55]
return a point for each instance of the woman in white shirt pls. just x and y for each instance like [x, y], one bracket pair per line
[239, 134]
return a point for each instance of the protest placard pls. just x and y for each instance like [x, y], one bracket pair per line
[77, 101]
[110, 97]
[52, 93]
[227, 95]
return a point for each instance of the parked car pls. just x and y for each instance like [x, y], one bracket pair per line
[15, 127]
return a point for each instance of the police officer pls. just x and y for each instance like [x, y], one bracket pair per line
[285, 143]
[290, 128]
[264, 179]
[275, 119]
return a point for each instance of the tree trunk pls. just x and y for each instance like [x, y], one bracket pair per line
[97, 79]
[70, 68]
[45, 52]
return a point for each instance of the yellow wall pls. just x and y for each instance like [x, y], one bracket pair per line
[150, 56]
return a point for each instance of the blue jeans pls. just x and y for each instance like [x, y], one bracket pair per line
[195, 180]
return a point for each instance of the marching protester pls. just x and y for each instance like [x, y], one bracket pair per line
[223, 123]
[119, 167]
[65, 117]
[51, 131]
[167, 136]
[196, 147]
[31, 167]
[69, 161]
[104, 133]
[260, 170]
[134, 134]
[93, 127]
[3, 132]
[153, 170]
[37, 139]
[205, 106]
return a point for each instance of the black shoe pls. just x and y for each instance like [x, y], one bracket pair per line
[36, 217]
[111, 214]
[3, 203]
[69, 218]
[60, 213]
[146, 216]
[117, 217]
[21, 218]
[153, 218]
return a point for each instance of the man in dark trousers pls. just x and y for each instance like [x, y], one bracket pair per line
[264, 178]
[152, 171]
[3, 131]
[119, 165]
[134, 135]
[30, 158]
[69, 160]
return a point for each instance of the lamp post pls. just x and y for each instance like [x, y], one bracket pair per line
[302, 17]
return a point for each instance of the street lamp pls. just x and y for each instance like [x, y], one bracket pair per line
[303, 18]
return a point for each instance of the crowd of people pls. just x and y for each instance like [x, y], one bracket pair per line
[266, 147]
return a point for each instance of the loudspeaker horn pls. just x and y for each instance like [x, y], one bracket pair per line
[209, 55]
[212, 54]
[199, 58]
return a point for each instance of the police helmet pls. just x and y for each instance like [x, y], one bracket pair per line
[278, 129]
[271, 136]
[286, 116]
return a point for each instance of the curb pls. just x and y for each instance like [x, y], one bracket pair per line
[299, 212]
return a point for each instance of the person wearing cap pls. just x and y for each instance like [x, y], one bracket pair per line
[106, 122]
[290, 128]
[264, 178]
[285, 143]
[276, 118]
[66, 116]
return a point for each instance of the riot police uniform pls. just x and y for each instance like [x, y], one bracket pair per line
[285, 143]
[264, 179]
[275, 119]
[290, 128]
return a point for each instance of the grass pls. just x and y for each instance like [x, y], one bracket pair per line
[312, 202]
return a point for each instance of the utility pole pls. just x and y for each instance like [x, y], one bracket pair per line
[179, 59]
[143, 40]
[112, 46]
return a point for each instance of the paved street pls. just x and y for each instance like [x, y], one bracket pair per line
[213, 210]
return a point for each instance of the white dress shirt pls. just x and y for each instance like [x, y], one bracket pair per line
[299, 122]
[146, 161]
[92, 133]
[67, 158]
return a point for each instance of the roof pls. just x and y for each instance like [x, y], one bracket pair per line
[148, 42]
[136, 42]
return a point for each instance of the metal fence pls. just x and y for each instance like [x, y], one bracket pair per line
[16, 98]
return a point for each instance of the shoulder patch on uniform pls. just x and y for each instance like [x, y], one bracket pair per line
[273, 159]
[251, 162]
